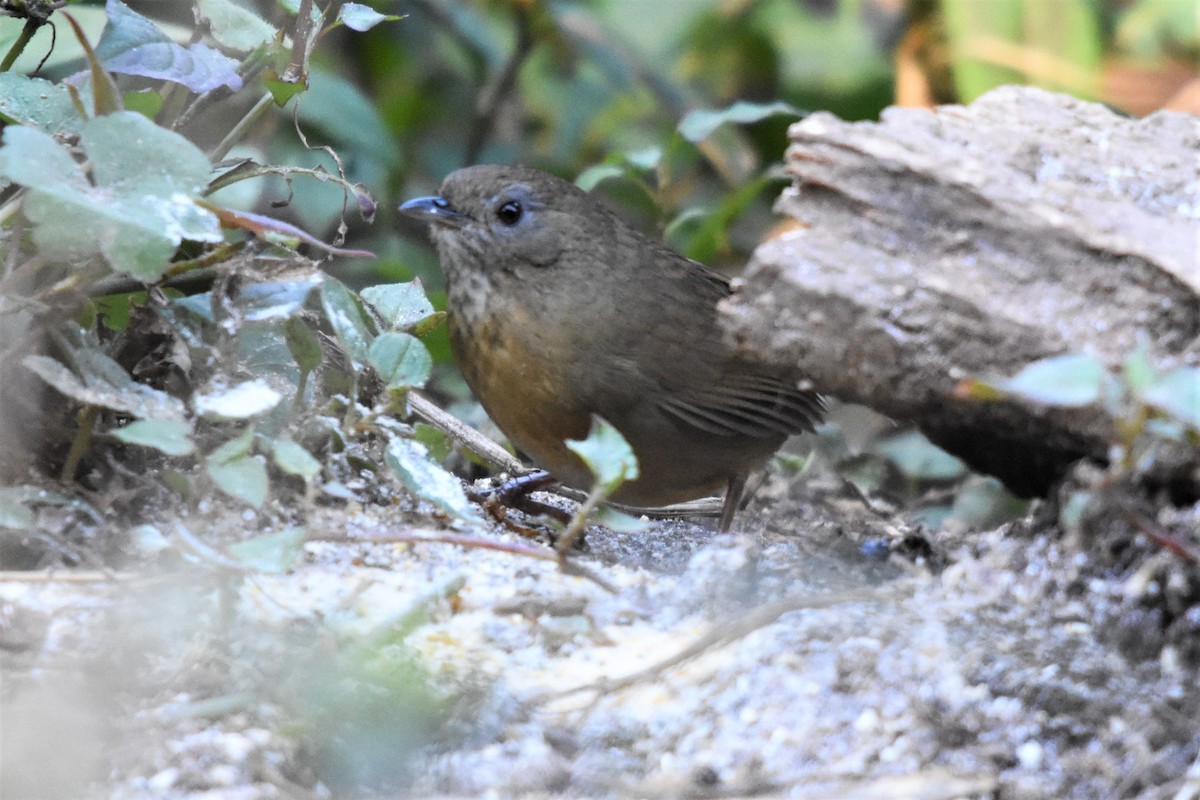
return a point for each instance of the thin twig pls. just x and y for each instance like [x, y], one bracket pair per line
[63, 576]
[578, 523]
[79, 445]
[239, 130]
[1161, 537]
[463, 433]
[474, 542]
[297, 68]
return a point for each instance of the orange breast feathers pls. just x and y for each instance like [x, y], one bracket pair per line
[520, 375]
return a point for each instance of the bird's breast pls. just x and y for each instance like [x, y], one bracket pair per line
[526, 378]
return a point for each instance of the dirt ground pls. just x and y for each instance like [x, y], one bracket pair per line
[825, 649]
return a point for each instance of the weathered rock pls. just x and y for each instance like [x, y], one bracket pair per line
[970, 241]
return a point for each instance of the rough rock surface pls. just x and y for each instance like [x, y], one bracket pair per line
[969, 241]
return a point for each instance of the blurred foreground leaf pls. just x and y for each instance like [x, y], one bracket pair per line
[1177, 393]
[428, 481]
[33, 101]
[172, 437]
[15, 512]
[607, 455]
[402, 361]
[1070, 380]
[244, 401]
[354, 328]
[102, 382]
[235, 27]
[273, 553]
[238, 473]
[918, 458]
[140, 207]
[294, 459]
[401, 306]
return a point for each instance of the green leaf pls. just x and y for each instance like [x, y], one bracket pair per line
[272, 553]
[236, 27]
[102, 382]
[918, 458]
[607, 455]
[400, 305]
[293, 7]
[244, 479]
[868, 472]
[234, 449]
[1070, 380]
[34, 101]
[352, 325]
[620, 522]
[595, 175]
[435, 439]
[1178, 394]
[701, 123]
[428, 481]
[983, 503]
[133, 45]
[15, 514]
[140, 207]
[276, 299]
[359, 17]
[1139, 372]
[105, 96]
[259, 301]
[401, 359]
[146, 102]
[303, 344]
[236, 472]
[172, 437]
[148, 539]
[684, 229]
[1071, 31]
[246, 400]
[646, 159]
[1078, 507]
[283, 91]
[113, 309]
[712, 230]
[294, 459]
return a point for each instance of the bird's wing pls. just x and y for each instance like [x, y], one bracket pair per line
[706, 385]
[746, 405]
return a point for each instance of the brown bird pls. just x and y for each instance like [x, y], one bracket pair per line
[558, 310]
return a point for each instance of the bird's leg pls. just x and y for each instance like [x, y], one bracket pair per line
[514, 493]
[733, 495]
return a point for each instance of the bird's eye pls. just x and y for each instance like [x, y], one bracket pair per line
[509, 213]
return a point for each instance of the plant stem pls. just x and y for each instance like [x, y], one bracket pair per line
[569, 536]
[87, 425]
[239, 130]
[18, 47]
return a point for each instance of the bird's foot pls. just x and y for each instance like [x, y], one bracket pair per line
[514, 493]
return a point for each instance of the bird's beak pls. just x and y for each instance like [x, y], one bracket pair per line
[433, 209]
